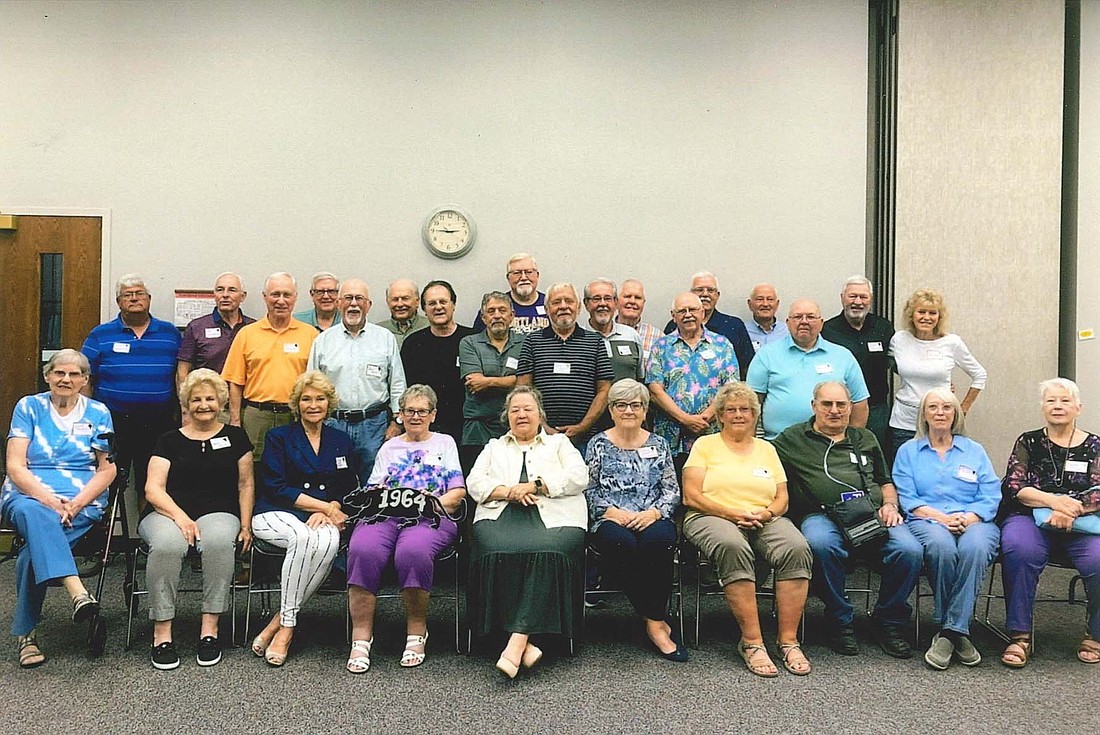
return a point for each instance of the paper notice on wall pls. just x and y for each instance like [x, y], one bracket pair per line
[192, 304]
[1088, 333]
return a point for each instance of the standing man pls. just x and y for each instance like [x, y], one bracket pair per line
[764, 328]
[402, 296]
[206, 339]
[784, 373]
[828, 461]
[430, 356]
[623, 343]
[631, 306]
[867, 336]
[704, 284]
[133, 363]
[569, 366]
[487, 363]
[324, 288]
[528, 303]
[264, 361]
[685, 370]
[364, 364]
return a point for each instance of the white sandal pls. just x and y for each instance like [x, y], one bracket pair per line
[411, 658]
[360, 664]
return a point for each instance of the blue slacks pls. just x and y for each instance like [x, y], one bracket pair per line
[956, 566]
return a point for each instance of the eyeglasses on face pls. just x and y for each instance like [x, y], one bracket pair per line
[417, 412]
[624, 405]
[133, 295]
[324, 291]
[528, 272]
[352, 298]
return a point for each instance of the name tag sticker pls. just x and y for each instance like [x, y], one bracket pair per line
[82, 428]
[852, 456]
[823, 368]
[874, 347]
[540, 310]
[863, 459]
[562, 368]
[290, 348]
[647, 452]
[851, 495]
[341, 463]
[511, 363]
[756, 345]
[707, 354]
[458, 360]
[933, 353]
[123, 347]
[213, 332]
[1076, 465]
[623, 349]
[966, 474]
[761, 472]
[373, 371]
[220, 442]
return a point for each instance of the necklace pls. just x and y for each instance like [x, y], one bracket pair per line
[1059, 476]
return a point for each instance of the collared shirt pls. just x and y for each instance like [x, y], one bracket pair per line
[733, 329]
[870, 346]
[526, 318]
[309, 316]
[624, 349]
[819, 469]
[365, 368]
[433, 361]
[266, 362]
[566, 371]
[649, 334]
[691, 376]
[630, 479]
[131, 373]
[207, 339]
[962, 482]
[786, 374]
[418, 322]
[481, 411]
[760, 337]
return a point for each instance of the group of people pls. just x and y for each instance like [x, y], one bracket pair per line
[780, 441]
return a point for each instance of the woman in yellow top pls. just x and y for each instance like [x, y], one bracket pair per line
[736, 493]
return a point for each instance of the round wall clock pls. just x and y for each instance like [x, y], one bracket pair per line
[449, 232]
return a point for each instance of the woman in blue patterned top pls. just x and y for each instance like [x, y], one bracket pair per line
[632, 494]
[56, 489]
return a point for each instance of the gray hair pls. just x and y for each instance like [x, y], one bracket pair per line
[604, 281]
[281, 274]
[198, 378]
[223, 274]
[1065, 384]
[523, 390]
[496, 296]
[562, 286]
[516, 257]
[321, 276]
[958, 425]
[736, 391]
[705, 274]
[858, 280]
[129, 280]
[415, 288]
[626, 390]
[418, 390]
[820, 386]
[68, 356]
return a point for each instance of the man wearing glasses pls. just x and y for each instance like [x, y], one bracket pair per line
[528, 303]
[704, 284]
[784, 373]
[133, 361]
[324, 291]
[363, 361]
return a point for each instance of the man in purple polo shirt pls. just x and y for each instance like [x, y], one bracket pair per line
[206, 339]
[133, 361]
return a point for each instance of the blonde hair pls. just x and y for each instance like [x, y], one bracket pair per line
[201, 377]
[736, 391]
[317, 380]
[958, 424]
[933, 298]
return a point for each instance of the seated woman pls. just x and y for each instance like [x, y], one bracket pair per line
[306, 471]
[421, 459]
[736, 492]
[1047, 468]
[949, 491]
[200, 494]
[632, 494]
[56, 489]
[526, 564]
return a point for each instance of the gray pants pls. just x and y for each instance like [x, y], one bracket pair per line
[167, 547]
[735, 552]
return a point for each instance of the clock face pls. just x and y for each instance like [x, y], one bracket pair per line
[449, 233]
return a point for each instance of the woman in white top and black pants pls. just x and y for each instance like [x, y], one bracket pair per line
[924, 355]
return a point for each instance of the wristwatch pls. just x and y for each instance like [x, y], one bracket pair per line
[540, 486]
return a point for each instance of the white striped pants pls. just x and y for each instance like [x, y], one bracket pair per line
[309, 555]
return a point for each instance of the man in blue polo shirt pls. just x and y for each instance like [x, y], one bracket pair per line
[784, 373]
[133, 360]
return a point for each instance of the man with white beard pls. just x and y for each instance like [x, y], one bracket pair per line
[528, 303]
[624, 344]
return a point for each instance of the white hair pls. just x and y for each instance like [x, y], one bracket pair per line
[223, 274]
[281, 274]
[858, 280]
[1065, 384]
[321, 276]
[129, 280]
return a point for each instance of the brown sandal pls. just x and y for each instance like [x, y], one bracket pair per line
[1017, 652]
[800, 666]
[751, 653]
[1089, 651]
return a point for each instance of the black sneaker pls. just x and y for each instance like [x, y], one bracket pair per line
[844, 642]
[209, 651]
[164, 656]
[892, 641]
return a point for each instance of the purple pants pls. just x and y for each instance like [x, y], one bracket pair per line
[413, 551]
[1025, 549]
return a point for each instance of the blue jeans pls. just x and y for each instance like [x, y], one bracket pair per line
[902, 556]
[956, 566]
[367, 435]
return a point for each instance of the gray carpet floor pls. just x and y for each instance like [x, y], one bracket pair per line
[613, 684]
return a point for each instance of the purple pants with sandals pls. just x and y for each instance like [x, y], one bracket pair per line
[413, 551]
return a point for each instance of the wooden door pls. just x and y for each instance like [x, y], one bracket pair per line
[50, 270]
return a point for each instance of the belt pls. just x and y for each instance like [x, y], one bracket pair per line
[354, 416]
[271, 406]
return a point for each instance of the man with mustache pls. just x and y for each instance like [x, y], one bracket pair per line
[704, 284]
[528, 303]
[207, 339]
[324, 289]
[623, 343]
[402, 298]
[487, 363]
[364, 363]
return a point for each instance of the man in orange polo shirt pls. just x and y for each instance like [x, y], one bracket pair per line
[265, 360]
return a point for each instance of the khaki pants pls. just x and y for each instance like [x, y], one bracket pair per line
[257, 423]
[735, 551]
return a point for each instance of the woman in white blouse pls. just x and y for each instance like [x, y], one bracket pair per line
[924, 355]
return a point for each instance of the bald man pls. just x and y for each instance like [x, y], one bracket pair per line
[764, 327]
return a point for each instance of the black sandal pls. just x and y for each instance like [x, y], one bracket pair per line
[30, 655]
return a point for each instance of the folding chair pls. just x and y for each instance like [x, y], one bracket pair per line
[675, 601]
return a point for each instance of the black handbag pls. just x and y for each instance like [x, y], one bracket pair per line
[857, 518]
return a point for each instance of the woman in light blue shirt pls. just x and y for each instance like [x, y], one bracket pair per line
[948, 489]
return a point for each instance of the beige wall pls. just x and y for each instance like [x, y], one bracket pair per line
[978, 189]
[609, 138]
[1088, 216]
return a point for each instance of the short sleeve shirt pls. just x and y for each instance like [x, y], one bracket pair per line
[202, 475]
[737, 482]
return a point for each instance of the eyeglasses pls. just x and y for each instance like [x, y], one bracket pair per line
[417, 412]
[133, 295]
[634, 406]
[686, 310]
[323, 291]
[737, 409]
[524, 272]
[352, 298]
[803, 317]
[704, 289]
[601, 299]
